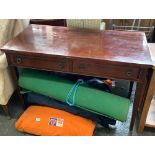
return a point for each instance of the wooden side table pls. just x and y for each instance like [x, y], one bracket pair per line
[148, 113]
[110, 54]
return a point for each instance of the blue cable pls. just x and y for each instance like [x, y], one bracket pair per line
[73, 91]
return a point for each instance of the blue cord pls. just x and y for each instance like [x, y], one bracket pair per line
[73, 91]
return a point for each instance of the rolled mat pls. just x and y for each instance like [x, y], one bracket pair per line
[87, 98]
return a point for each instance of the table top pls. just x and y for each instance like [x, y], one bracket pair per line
[108, 45]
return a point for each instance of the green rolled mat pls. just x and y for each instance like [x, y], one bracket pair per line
[87, 98]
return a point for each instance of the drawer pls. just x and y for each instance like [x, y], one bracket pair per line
[105, 70]
[52, 63]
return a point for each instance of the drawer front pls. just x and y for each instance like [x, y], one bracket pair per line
[105, 70]
[52, 63]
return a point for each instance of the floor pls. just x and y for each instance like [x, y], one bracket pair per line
[7, 126]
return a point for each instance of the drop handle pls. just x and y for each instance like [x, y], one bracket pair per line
[129, 73]
[19, 60]
[82, 66]
[61, 65]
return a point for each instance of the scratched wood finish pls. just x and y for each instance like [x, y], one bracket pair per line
[111, 46]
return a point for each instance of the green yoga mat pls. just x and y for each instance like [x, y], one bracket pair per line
[87, 98]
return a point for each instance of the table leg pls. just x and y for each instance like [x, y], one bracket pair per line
[15, 79]
[147, 103]
[140, 95]
[138, 99]
[6, 110]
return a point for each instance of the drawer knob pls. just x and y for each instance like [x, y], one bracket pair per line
[129, 73]
[82, 66]
[61, 65]
[19, 60]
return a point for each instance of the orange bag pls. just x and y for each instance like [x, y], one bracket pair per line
[46, 121]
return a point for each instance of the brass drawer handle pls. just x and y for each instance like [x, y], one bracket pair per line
[129, 73]
[82, 66]
[61, 65]
[18, 60]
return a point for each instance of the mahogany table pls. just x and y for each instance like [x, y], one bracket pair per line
[111, 54]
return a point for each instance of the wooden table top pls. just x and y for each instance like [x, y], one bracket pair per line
[108, 45]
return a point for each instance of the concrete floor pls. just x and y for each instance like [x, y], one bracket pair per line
[7, 126]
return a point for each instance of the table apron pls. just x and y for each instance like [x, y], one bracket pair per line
[82, 67]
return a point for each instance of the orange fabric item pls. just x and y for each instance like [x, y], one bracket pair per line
[46, 121]
[108, 82]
